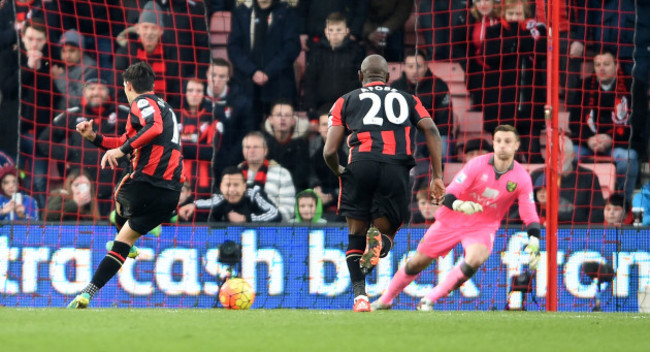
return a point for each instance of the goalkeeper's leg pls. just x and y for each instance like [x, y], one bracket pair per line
[404, 276]
[108, 267]
[475, 255]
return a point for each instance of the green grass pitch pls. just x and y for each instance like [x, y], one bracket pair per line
[193, 330]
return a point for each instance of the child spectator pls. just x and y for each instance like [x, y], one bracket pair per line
[332, 66]
[426, 210]
[309, 208]
[13, 204]
[617, 210]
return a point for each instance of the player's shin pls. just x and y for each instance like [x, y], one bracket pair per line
[402, 278]
[356, 245]
[454, 279]
[108, 267]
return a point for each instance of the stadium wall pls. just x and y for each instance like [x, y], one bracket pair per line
[300, 267]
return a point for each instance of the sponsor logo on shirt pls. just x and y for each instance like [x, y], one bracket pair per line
[461, 177]
[490, 193]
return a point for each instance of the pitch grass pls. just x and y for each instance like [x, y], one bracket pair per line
[313, 330]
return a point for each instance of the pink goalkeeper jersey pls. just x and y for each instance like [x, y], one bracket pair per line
[478, 182]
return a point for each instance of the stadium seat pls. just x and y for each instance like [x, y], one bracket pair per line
[470, 121]
[606, 173]
[452, 74]
[219, 51]
[219, 28]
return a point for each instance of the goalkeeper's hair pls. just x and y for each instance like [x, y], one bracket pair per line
[506, 128]
[141, 76]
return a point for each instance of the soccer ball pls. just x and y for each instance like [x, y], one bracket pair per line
[236, 293]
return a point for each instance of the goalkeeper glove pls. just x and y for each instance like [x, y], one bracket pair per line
[533, 252]
[466, 207]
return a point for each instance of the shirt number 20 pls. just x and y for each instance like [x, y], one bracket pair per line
[371, 117]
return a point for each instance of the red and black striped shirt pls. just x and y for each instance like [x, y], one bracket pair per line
[382, 123]
[153, 141]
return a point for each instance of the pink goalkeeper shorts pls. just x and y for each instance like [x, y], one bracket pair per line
[441, 238]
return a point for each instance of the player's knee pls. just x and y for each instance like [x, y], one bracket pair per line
[468, 270]
[413, 268]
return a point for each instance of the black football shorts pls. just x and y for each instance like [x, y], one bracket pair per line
[146, 206]
[371, 189]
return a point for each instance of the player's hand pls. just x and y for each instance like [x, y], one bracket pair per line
[85, 128]
[533, 252]
[466, 207]
[111, 157]
[437, 189]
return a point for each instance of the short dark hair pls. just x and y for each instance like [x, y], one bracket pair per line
[219, 61]
[618, 199]
[282, 102]
[37, 23]
[607, 50]
[308, 194]
[232, 170]
[336, 17]
[413, 52]
[506, 128]
[141, 76]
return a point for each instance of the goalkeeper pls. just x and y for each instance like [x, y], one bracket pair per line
[475, 203]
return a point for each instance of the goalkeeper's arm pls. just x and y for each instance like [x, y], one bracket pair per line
[532, 248]
[461, 206]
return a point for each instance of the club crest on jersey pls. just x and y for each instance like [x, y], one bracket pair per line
[511, 186]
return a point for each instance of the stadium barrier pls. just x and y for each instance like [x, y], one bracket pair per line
[301, 267]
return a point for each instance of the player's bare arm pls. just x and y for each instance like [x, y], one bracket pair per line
[335, 136]
[434, 144]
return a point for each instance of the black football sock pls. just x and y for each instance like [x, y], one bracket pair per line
[356, 246]
[108, 267]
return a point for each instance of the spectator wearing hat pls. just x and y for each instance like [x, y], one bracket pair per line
[61, 142]
[150, 48]
[472, 148]
[73, 69]
[13, 204]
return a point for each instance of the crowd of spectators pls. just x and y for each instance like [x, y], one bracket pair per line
[252, 124]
